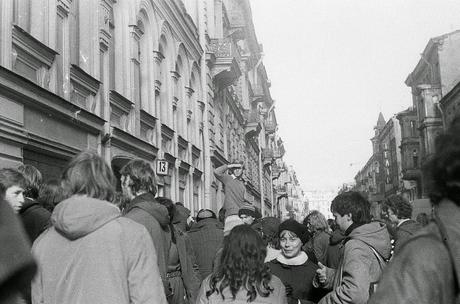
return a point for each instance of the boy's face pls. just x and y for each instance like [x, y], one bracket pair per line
[247, 219]
[14, 195]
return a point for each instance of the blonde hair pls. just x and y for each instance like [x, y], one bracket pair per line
[317, 221]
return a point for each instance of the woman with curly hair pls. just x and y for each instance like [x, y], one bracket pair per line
[242, 276]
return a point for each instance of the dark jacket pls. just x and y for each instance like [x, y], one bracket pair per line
[93, 255]
[334, 250]
[297, 278]
[235, 191]
[190, 274]
[426, 263]
[359, 266]
[206, 237]
[154, 217]
[17, 266]
[318, 244]
[34, 217]
[404, 232]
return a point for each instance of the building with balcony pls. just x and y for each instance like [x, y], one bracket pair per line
[180, 80]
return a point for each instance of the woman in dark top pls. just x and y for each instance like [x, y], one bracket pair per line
[293, 266]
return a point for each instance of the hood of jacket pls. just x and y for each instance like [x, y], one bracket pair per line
[374, 234]
[78, 216]
[147, 203]
[207, 223]
[336, 237]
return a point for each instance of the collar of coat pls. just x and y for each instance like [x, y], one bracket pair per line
[298, 260]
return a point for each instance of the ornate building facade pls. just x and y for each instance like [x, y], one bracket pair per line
[171, 80]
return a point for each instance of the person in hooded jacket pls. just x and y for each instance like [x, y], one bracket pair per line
[91, 254]
[427, 267]
[206, 236]
[139, 185]
[33, 215]
[366, 248]
[318, 243]
[183, 275]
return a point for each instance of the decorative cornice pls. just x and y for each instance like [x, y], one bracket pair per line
[182, 142]
[33, 47]
[189, 91]
[158, 56]
[148, 119]
[167, 131]
[121, 101]
[133, 144]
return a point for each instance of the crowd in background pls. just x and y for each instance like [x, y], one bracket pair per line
[92, 244]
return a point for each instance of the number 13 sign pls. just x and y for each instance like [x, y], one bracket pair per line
[162, 167]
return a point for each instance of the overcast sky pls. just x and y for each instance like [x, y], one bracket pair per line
[334, 65]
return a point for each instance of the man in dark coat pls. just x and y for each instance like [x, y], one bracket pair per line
[33, 215]
[138, 183]
[206, 236]
[399, 212]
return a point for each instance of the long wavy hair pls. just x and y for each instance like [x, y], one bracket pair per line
[242, 265]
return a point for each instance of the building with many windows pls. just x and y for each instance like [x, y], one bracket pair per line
[171, 80]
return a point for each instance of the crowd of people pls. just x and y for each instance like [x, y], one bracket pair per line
[92, 244]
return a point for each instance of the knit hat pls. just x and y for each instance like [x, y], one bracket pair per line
[205, 214]
[247, 209]
[299, 229]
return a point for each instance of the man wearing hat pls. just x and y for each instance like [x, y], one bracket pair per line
[206, 236]
[247, 214]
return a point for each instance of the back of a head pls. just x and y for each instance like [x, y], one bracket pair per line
[352, 202]
[50, 194]
[142, 176]
[316, 220]
[88, 174]
[205, 214]
[168, 203]
[10, 177]
[442, 171]
[33, 180]
[399, 205]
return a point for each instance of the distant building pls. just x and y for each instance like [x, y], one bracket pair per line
[320, 200]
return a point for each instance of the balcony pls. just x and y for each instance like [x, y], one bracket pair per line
[253, 122]
[411, 173]
[225, 69]
[277, 170]
[270, 126]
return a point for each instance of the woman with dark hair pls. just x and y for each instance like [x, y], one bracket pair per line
[318, 227]
[242, 276]
[430, 260]
[293, 265]
[50, 194]
[182, 271]
[91, 254]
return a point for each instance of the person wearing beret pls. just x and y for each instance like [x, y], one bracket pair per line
[293, 266]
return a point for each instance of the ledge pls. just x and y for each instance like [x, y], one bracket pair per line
[133, 144]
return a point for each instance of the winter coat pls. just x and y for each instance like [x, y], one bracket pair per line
[359, 266]
[35, 218]
[235, 191]
[277, 296]
[189, 268]
[155, 218]
[425, 262]
[92, 255]
[404, 232]
[318, 244]
[206, 237]
[17, 266]
[299, 278]
[333, 252]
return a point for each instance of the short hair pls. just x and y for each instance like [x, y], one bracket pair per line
[50, 194]
[316, 220]
[141, 174]
[352, 202]
[10, 177]
[88, 174]
[171, 207]
[399, 205]
[423, 219]
[442, 171]
[33, 180]
[221, 215]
